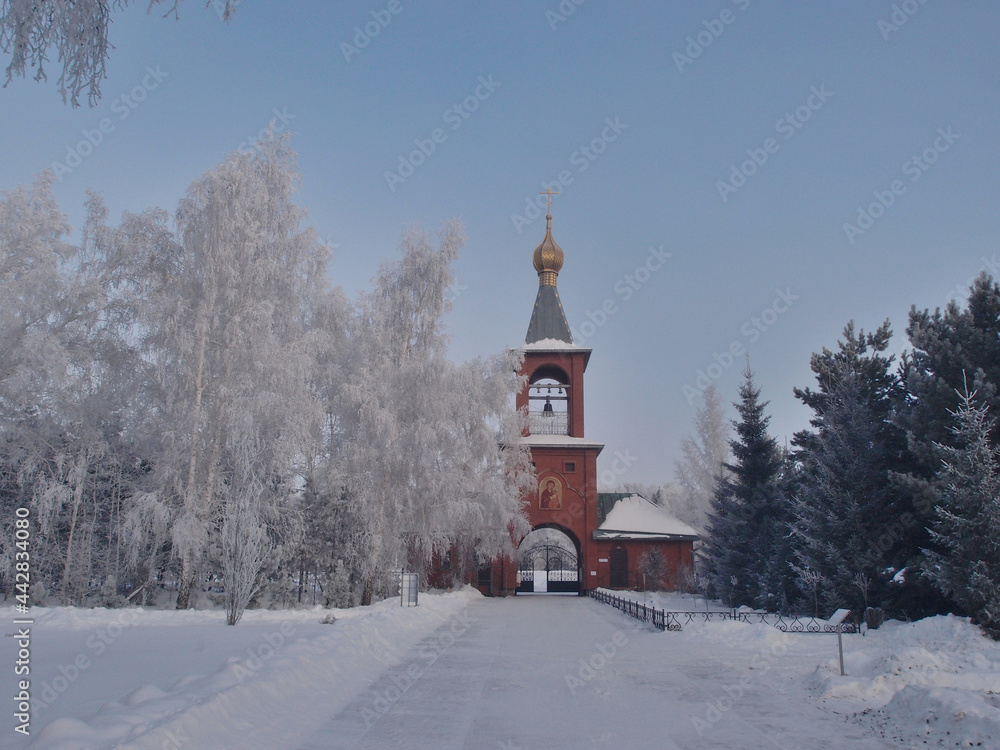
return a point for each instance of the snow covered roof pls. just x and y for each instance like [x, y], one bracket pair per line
[634, 517]
[560, 441]
[553, 344]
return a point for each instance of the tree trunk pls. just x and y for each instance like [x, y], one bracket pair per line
[196, 417]
[302, 573]
[81, 474]
[187, 584]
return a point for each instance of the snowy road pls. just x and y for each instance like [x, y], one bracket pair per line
[568, 672]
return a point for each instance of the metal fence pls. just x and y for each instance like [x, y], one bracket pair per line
[664, 620]
[548, 423]
[528, 574]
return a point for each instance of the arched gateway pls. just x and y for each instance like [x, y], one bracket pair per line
[548, 562]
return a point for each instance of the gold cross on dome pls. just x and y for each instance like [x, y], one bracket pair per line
[549, 192]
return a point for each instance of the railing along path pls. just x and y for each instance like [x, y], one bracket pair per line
[664, 620]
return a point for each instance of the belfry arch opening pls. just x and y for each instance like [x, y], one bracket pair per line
[548, 402]
[548, 562]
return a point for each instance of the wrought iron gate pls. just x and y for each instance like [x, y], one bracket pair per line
[548, 567]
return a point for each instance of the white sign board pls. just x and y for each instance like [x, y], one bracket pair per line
[838, 617]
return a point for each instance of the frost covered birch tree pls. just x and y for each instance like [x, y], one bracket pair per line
[230, 351]
[430, 455]
[63, 312]
[76, 31]
[173, 402]
[703, 464]
[244, 534]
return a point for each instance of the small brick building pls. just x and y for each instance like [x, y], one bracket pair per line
[580, 539]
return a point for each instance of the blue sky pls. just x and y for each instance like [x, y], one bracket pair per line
[824, 106]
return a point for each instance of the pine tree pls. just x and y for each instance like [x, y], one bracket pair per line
[748, 513]
[967, 525]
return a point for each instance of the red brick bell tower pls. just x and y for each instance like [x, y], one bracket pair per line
[579, 540]
[565, 497]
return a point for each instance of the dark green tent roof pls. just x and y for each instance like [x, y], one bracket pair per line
[548, 321]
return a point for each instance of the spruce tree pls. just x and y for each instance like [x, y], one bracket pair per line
[843, 503]
[748, 514]
[950, 348]
[967, 525]
[853, 526]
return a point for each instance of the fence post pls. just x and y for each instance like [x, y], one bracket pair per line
[840, 647]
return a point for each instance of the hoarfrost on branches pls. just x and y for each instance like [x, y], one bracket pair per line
[76, 31]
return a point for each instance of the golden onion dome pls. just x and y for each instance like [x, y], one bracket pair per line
[548, 256]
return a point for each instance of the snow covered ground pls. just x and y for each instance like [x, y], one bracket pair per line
[935, 682]
[167, 679]
[461, 671]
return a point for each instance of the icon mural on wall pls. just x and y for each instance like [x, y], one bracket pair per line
[549, 494]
